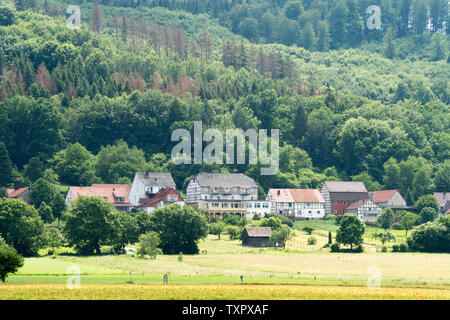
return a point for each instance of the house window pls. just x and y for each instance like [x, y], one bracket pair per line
[344, 202]
[334, 211]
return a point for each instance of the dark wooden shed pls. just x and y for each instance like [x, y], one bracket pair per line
[257, 237]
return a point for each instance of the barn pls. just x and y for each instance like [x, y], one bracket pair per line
[257, 237]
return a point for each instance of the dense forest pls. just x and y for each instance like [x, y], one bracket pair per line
[99, 103]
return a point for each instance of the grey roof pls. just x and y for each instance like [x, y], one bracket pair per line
[259, 231]
[442, 197]
[159, 179]
[346, 186]
[225, 180]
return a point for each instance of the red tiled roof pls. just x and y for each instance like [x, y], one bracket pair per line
[296, 195]
[162, 195]
[356, 205]
[383, 195]
[108, 191]
[12, 193]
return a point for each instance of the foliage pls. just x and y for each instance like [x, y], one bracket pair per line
[233, 220]
[428, 214]
[90, 223]
[430, 237]
[217, 228]
[350, 231]
[21, 226]
[234, 232]
[385, 236]
[179, 228]
[272, 222]
[311, 240]
[148, 245]
[408, 220]
[386, 218]
[281, 235]
[10, 261]
[426, 201]
[308, 229]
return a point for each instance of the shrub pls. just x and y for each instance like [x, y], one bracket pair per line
[335, 247]
[395, 248]
[359, 248]
[272, 222]
[330, 217]
[383, 249]
[281, 236]
[148, 245]
[10, 260]
[284, 220]
[403, 247]
[256, 217]
[309, 230]
[339, 219]
[312, 241]
[235, 232]
[429, 237]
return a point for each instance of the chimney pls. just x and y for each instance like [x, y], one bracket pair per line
[17, 184]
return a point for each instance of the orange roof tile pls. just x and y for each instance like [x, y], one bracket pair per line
[12, 193]
[108, 191]
[296, 195]
[383, 195]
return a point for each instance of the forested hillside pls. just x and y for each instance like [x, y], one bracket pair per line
[99, 103]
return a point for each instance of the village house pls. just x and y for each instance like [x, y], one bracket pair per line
[365, 210]
[19, 192]
[116, 194]
[298, 204]
[389, 199]
[339, 195]
[219, 193]
[164, 197]
[444, 201]
[261, 208]
[257, 237]
[147, 184]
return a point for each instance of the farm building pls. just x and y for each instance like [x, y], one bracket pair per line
[298, 204]
[257, 237]
[389, 199]
[339, 195]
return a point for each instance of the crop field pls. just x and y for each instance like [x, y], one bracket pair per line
[209, 292]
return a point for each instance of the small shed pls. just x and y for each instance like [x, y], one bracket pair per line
[257, 237]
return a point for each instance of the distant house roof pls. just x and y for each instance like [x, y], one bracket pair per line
[111, 192]
[356, 205]
[225, 180]
[296, 195]
[258, 232]
[160, 196]
[345, 186]
[381, 195]
[447, 206]
[442, 198]
[157, 179]
[14, 193]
